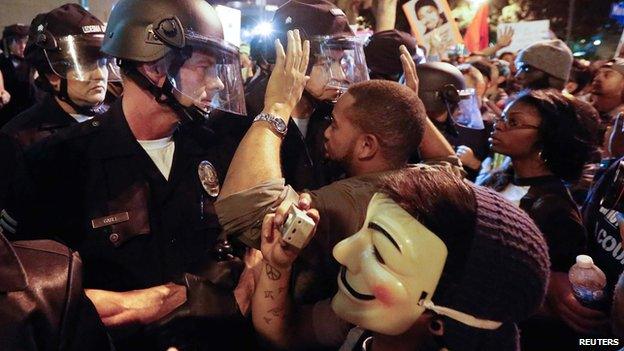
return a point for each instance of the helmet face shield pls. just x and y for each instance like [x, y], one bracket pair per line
[342, 60]
[468, 113]
[79, 57]
[210, 78]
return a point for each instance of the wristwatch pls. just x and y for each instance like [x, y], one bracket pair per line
[277, 124]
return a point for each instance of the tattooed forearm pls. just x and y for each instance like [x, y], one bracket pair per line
[276, 312]
[268, 294]
[272, 272]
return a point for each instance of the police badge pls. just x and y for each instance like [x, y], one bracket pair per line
[208, 178]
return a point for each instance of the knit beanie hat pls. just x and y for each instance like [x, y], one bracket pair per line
[497, 265]
[504, 278]
[382, 51]
[551, 56]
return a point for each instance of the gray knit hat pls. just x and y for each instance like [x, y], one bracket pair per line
[551, 56]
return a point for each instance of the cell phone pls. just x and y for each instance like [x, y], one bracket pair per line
[297, 228]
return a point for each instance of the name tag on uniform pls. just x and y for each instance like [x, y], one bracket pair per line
[109, 220]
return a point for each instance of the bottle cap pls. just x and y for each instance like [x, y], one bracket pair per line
[584, 261]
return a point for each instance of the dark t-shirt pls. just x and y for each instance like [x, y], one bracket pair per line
[604, 239]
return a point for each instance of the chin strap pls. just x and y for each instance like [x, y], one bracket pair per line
[461, 317]
[165, 94]
[90, 111]
[450, 124]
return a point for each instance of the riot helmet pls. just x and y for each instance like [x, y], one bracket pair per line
[67, 42]
[188, 35]
[443, 88]
[336, 54]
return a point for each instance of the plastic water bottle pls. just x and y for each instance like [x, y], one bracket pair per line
[588, 282]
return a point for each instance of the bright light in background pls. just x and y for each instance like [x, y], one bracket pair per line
[597, 42]
[476, 3]
[263, 28]
[270, 8]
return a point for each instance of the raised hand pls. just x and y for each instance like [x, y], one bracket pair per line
[275, 251]
[288, 78]
[504, 37]
[409, 69]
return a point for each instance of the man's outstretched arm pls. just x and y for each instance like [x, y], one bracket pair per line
[257, 158]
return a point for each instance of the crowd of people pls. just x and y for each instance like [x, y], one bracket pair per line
[152, 173]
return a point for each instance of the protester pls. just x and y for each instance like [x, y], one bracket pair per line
[606, 95]
[603, 218]
[402, 299]
[545, 64]
[366, 136]
[548, 138]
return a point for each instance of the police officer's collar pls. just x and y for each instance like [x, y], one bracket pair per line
[117, 139]
[113, 137]
[55, 117]
[12, 274]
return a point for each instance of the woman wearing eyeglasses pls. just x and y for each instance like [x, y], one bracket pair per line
[549, 137]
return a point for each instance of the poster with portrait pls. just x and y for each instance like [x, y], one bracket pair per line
[433, 25]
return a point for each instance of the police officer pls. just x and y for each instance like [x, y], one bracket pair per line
[336, 61]
[443, 91]
[133, 189]
[15, 71]
[64, 47]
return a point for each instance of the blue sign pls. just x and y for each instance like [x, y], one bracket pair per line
[617, 12]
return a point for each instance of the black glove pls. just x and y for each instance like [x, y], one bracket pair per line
[210, 310]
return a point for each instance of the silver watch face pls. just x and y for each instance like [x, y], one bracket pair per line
[280, 125]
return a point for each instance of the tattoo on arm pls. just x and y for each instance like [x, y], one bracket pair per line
[272, 272]
[276, 312]
[268, 294]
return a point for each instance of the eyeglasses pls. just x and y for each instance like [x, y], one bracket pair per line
[512, 123]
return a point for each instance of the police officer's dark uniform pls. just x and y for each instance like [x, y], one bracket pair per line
[99, 192]
[42, 304]
[47, 116]
[303, 156]
[16, 74]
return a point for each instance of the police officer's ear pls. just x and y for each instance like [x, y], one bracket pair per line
[55, 81]
[155, 71]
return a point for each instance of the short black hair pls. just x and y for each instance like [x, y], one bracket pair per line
[567, 133]
[422, 3]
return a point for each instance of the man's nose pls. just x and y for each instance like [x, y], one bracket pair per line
[215, 84]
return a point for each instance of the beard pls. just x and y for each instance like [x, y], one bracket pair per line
[345, 159]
